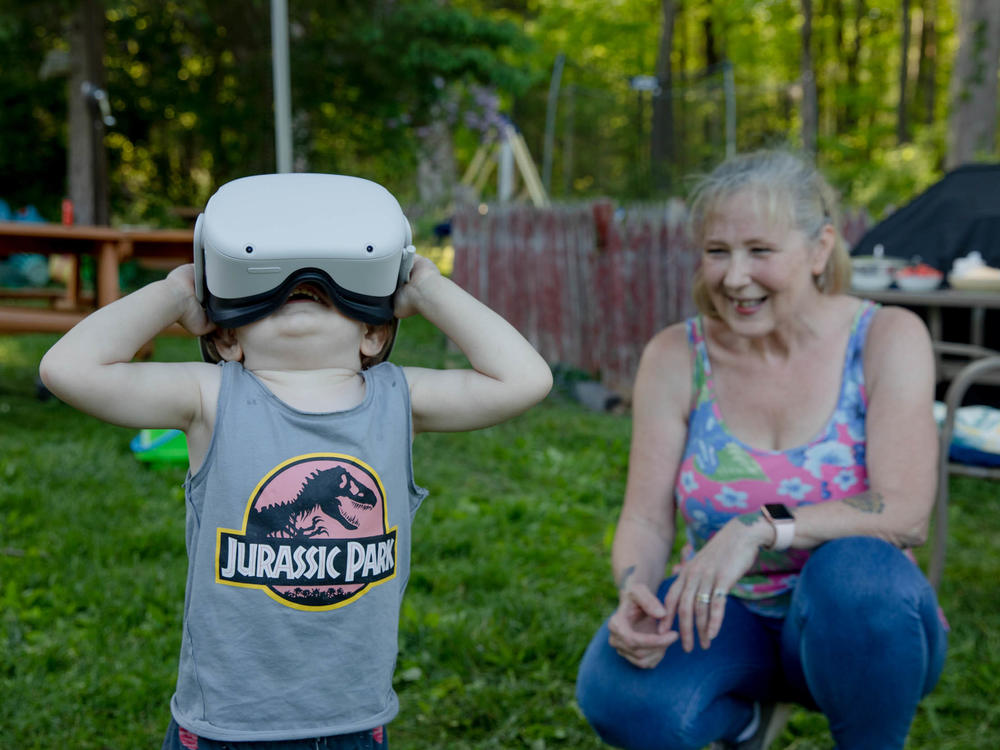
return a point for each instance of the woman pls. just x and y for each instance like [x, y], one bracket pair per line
[790, 424]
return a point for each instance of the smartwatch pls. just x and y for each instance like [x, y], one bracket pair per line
[781, 518]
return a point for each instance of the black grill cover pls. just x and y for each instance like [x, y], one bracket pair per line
[958, 214]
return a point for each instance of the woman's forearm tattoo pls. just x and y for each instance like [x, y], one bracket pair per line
[868, 502]
[625, 576]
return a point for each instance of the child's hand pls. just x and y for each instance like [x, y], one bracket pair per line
[506, 375]
[408, 298]
[194, 319]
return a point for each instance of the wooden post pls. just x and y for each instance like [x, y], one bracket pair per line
[109, 259]
[88, 167]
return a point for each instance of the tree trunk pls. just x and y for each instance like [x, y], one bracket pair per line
[710, 125]
[436, 169]
[679, 81]
[824, 102]
[569, 136]
[926, 91]
[972, 120]
[712, 57]
[902, 130]
[852, 58]
[662, 146]
[810, 110]
[87, 159]
[838, 109]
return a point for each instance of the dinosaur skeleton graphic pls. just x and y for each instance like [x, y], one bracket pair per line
[331, 493]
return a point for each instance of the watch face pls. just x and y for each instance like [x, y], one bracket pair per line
[778, 512]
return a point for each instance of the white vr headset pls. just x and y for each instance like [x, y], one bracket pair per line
[260, 237]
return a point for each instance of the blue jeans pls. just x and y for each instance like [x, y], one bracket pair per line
[373, 739]
[862, 642]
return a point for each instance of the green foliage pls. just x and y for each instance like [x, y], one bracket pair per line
[510, 580]
[193, 81]
[892, 176]
[367, 82]
[190, 85]
[32, 115]
[601, 124]
[856, 57]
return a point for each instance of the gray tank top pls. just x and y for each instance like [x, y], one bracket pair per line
[298, 538]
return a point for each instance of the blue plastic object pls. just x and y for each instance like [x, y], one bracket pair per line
[160, 446]
[976, 437]
[29, 213]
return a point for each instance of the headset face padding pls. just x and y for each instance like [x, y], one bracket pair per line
[235, 313]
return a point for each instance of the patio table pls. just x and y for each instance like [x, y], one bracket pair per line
[976, 302]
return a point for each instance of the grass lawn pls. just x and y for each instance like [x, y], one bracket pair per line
[510, 579]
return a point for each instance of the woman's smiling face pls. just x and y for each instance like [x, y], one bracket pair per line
[758, 270]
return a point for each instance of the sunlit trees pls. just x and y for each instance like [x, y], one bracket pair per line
[384, 88]
[972, 117]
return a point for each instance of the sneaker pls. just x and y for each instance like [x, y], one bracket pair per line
[773, 717]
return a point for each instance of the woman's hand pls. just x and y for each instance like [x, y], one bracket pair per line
[408, 297]
[194, 318]
[698, 595]
[639, 628]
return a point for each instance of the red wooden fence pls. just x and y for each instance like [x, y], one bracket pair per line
[586, 287]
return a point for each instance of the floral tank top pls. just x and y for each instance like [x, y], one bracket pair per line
[721, 477]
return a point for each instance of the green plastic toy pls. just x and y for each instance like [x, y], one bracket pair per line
[160, 446]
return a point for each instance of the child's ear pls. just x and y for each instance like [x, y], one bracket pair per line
[377, 343]
[373, 339]
[227, 344]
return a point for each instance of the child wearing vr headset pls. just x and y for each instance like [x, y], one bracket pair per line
[300, 493]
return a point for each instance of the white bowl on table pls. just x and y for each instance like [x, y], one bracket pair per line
[914, 283]
[871, 282]
[871, 274]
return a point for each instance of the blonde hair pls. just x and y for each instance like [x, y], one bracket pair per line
[786, 187]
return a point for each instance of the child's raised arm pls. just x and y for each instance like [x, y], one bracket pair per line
[91, 366]
[508, 375]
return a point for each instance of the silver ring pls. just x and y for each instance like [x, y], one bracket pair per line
[719, 593]
[703, 598]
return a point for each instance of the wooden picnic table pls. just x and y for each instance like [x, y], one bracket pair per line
[108, 246]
